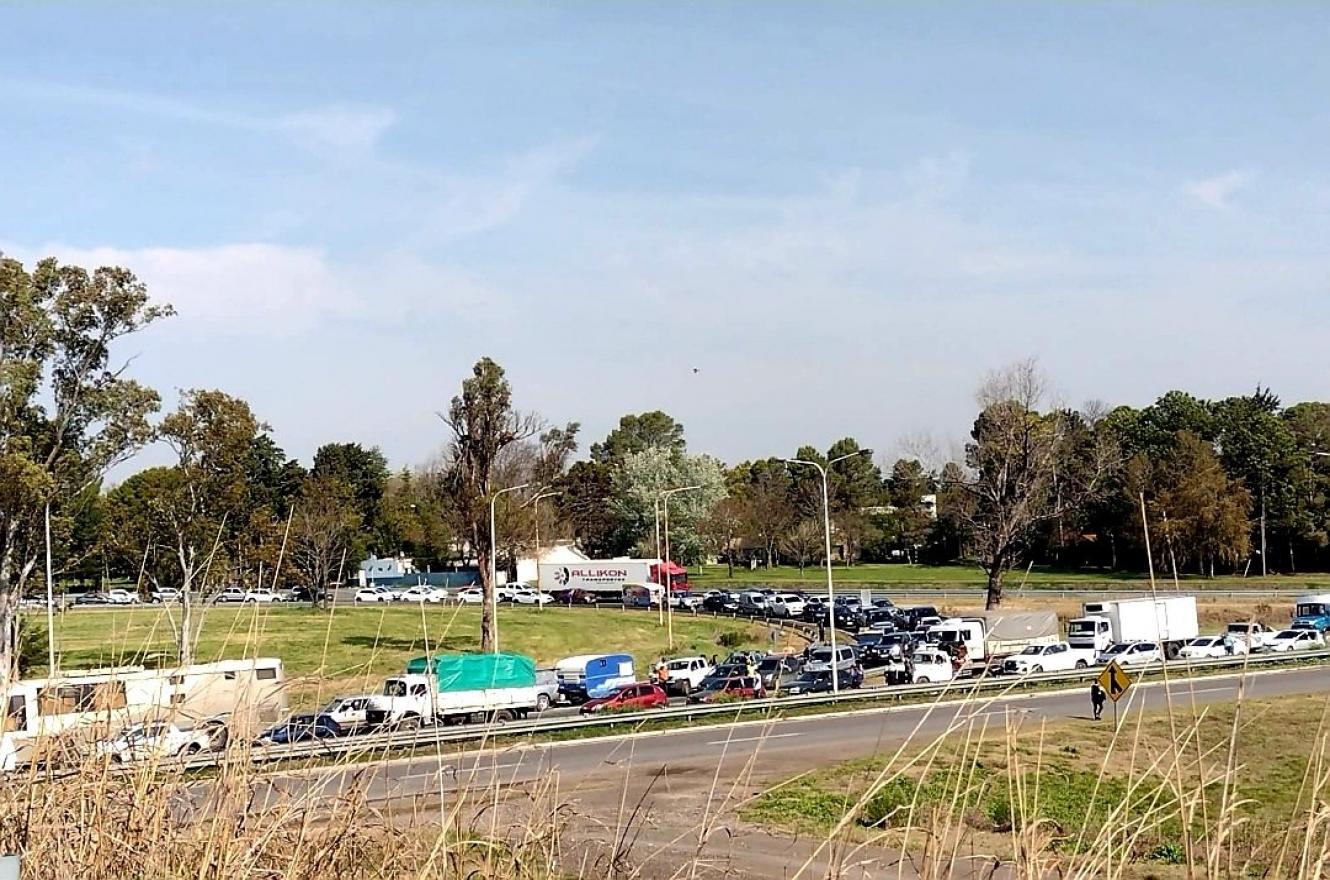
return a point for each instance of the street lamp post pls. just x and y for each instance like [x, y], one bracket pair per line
[535, 505]
[494, 565]
[669, 577]
[826, 528]
[50, 600]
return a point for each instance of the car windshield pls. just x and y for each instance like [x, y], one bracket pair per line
[1033, 649]
[771, 664]
[1117, 649]
[1312, 609]
[821, 655]
[813, 677]
[868, 638]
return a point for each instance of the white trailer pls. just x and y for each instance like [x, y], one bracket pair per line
[63, 715]
[1169, 621]
[989, 637]
[605, 577]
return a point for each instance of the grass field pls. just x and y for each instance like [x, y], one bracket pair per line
[352, 649]
[966, 575]
[1066, 782]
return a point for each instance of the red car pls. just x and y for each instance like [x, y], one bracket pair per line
[737, 688]
[629, 697]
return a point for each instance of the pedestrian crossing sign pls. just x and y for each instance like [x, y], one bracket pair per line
[1114, 681]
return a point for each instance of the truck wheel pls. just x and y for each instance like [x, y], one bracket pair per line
[542, 702]
[1171, 652]
[923, 679]
[503, 716]
[191, 749]
[1036, 668]
[1080, 664]
[410, 722]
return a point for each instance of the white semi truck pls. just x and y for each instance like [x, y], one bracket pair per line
[1168, 621]
[601, 577]
[453, 689]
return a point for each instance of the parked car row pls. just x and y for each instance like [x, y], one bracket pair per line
[516, 594]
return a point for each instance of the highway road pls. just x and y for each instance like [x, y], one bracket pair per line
[789, 745]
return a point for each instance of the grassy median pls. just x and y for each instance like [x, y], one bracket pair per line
[1242, 782]
[352, 649]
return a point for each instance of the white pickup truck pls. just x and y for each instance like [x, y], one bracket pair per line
[685, 674]
[1255, 636]
[1057, 657]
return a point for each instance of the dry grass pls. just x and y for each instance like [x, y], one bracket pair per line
[1238, 790]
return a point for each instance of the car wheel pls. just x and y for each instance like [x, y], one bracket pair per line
[191, 749]
[923, 679]
[542, 702]
[1080, 664]
[1036, 668]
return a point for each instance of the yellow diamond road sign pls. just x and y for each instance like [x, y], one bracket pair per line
[1114, 681]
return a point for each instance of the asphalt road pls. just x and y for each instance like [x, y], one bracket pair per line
[704, 755]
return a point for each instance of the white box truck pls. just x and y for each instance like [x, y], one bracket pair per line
[1168, 621]
[989, 637]
[602, 577]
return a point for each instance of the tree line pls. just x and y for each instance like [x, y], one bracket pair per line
[1238, 484]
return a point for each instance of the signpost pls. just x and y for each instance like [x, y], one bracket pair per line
[1115, 682]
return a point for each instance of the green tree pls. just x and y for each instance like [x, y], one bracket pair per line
[214, 437]
[1198, 509]
[638, 433]
[365, 473]
[644, 475]
[484, 424]
[766, 499]
[586, 503]
[67, 412]
[1258, 447]
[721, 529]
[910, 521]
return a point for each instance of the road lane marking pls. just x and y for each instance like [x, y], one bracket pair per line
[748, 739]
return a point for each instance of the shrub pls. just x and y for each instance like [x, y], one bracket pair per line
[730, 639]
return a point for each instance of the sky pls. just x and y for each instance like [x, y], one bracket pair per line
[781, 223]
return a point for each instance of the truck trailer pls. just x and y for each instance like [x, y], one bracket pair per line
[455, 689]
[983, 639]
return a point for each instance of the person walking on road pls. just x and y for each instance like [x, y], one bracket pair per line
[1097, 697]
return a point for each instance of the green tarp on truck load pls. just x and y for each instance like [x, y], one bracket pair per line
[468, 672]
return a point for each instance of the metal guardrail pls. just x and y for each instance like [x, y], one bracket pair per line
[365, 744]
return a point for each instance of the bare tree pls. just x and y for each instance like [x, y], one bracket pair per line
[322, 527]
[1026, 467]
[803, 541]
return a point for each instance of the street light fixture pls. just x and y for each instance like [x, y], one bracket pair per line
[826, 527]
[669, 576]
[494, 564]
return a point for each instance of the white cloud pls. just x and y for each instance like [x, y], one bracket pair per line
[341, 129]
[1217, 191]
[272, 290]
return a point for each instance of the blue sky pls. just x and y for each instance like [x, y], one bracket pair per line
[841, 215]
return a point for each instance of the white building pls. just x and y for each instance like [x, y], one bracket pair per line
[377, 569]
[528, 571]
